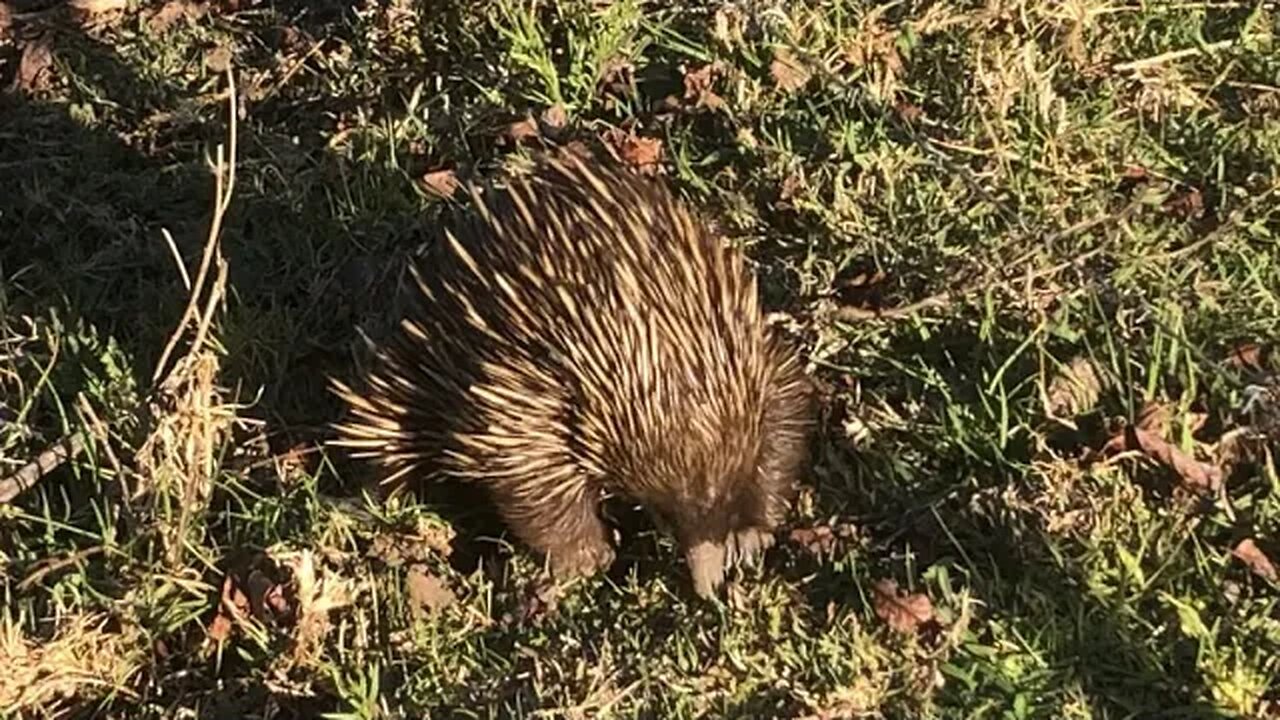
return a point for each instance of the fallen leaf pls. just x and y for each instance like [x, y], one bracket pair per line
[823, 540]
[427, 593]
[792, 185]
[1155, 418]
[554, 117]
[909, 111]
[6, 19]
[639, 152]
[90, 9]
[788, 73]
[233, 598]
[1134, 172]
[35, 68]
[1186, 203]
[1193, 473]
[1074, 390]
[521, 130]
[903, 612]
[697, 87]
[441, 183]
[172, 12]
[218, 59]
[220, 628]
[1247, 356]
[1248, 552]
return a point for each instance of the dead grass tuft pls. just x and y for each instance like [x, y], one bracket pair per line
[178, 461]
[84, 660]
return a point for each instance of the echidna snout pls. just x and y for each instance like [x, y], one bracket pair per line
[580, 334]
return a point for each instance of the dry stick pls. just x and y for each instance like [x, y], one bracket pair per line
[851, 313]
[222, 200]
[50, 566]
[1172, 55]
[48, 461]
[71, 446]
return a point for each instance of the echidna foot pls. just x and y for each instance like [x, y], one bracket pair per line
[578, 559]
[747, 547]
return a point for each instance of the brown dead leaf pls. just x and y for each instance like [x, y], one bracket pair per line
[218, 59]
[1074, 390]
[792, 185]
[903, 612]
[642, 153]
[234, 601]
[93, 10]
[698, 84]
[789, 73]
[1248, 552]
[441, 183]
[1246, 356]
[173, 12]
[520, 131]
[909, 111]
[554, 117]
[1134, 172]
[1186, 203]
[427, 593]
[1155, 418]
[1194, 474]
[823, 540]
[220, 629]
[6, 19]
[35, 68]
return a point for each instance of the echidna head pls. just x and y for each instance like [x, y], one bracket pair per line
[736, 531]
[729, 513]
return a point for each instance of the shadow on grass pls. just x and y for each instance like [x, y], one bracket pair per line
[927, 495]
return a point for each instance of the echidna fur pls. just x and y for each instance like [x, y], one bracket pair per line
[583, 333]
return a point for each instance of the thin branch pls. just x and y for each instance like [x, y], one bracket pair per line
[46, 462]
[1172, 55]
[212, 248]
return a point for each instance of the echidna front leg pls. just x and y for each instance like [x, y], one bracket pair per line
[564, 527]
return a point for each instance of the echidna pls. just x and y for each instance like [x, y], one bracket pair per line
[582, 333]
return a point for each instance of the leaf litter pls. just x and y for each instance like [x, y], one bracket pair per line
[1074, 389]
[905, 612]
[1248, 552]
[788, 72]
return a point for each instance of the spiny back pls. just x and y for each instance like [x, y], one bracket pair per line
[582, 330]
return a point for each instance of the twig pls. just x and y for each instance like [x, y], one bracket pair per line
[46, 462]
[294, 67]
[177, 257]
[212, 248]
[50, 566]
[946, 297]
[1172, 55]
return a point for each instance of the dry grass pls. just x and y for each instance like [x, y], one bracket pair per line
[1010, 235]
[83, 660]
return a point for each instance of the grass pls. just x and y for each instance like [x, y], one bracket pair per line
[1000, 230]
